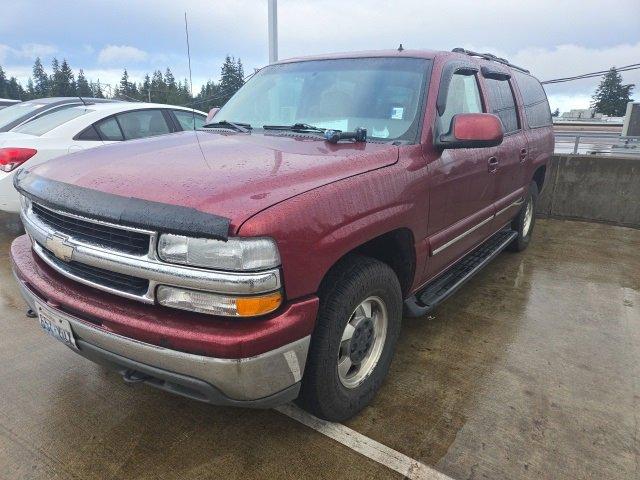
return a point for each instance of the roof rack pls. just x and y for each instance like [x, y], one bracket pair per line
[489, 56]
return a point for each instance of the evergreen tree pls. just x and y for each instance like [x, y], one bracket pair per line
[82, 85]
[208, 96]
[96, 90]
[231, 78]
[67, 84]
[3, 84]
[145, 89]
[30, 93]
[10, 88]
[14, 89]
[40, 80]
[171, 94]
[158, 87]
[61, 82]
[611, 96]
[126, 88]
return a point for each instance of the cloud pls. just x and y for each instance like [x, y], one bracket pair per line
[27, 51]
[121, 54]
[33, 50]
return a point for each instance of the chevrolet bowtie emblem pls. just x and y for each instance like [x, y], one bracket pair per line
[57, 244]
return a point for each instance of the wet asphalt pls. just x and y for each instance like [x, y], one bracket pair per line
[531, 371]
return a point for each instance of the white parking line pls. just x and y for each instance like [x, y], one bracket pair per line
[357, 442]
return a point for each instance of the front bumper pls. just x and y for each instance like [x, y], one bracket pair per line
[262, 379]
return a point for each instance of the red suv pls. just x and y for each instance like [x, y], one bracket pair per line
[270, 255]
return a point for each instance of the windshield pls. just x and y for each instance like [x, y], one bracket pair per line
[383, 95]
[14, 112]
[42, 125]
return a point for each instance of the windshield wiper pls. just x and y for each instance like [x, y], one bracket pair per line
[296, 127]
[237, 126]
[330, 135]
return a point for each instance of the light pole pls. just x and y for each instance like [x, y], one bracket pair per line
[273, 31]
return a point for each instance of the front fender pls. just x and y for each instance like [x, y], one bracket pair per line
[315, 229]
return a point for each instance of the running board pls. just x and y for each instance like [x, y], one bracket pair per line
[446, 284]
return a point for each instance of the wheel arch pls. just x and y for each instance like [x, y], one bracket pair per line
[539, 176]
[396, 248]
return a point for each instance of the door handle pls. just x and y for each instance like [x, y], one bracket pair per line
[493, 164]
[523, 154]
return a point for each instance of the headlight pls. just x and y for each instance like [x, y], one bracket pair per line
[236, 254]
[216, 304]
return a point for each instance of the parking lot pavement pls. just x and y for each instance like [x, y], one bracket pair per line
[530, 371]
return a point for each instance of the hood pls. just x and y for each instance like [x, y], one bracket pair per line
[226, 174]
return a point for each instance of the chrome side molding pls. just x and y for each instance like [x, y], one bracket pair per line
[466, 233]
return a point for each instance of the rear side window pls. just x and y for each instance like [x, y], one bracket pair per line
[463, 96]
[185, 119]
[536, 106]
[503, 103]
[89, 133]
[142, 123]
[109, 130]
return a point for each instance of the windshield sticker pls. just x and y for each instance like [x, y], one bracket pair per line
[380, 133]
[397, 113]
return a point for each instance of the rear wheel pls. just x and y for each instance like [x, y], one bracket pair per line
[354, 339]
[525, 220]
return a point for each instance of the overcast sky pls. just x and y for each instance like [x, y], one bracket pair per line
[552, 38]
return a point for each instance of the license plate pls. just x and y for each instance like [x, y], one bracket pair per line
[54, 324]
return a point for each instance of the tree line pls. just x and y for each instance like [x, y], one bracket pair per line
[157, 87]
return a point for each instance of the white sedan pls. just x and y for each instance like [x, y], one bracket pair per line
[80, 127]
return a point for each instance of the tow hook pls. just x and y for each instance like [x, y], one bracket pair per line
[133, 376]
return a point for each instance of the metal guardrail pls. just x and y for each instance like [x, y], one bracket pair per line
[596, 142]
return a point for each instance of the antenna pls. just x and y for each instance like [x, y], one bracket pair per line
[186, 31]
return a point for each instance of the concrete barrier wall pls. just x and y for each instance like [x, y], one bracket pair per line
[593, 188]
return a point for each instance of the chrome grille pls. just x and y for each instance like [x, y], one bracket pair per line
[99, 276]
[92, 252]
[117, 239]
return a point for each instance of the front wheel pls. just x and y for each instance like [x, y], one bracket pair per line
[525, 220]
[354, 339]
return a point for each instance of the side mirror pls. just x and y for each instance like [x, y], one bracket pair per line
[472, 130]
[212, 113]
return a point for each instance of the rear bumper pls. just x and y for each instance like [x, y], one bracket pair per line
[265, 377]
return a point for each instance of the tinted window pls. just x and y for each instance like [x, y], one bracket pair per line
[142, 123]
[88, 134]
[46, 123]
[109, 129]
[185, 119]
[536, 106]
[502, 103]
[463, 96]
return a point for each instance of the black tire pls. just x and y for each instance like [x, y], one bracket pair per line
[518, 224]
[349, 283]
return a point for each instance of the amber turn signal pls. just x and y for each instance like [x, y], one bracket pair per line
[261, 305]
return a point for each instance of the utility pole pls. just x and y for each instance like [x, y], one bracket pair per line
[273, 31]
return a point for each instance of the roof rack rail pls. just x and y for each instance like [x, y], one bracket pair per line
[489, 56]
